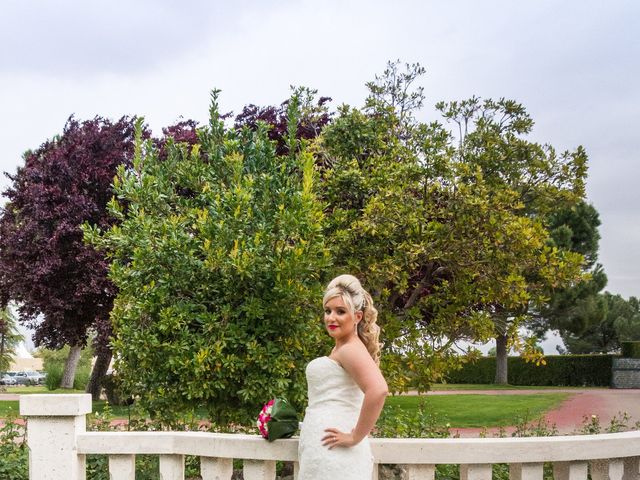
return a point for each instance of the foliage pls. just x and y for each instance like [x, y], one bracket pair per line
[44, 264]
[441, 241]
[619, 423]
[612, 319]
[420, 422]
[630, 349]
[573, 308]
[313, 117]
[217, 258]
[14, 454]
[10, 338]
[492, 138]
[560, 370]
[53, 363]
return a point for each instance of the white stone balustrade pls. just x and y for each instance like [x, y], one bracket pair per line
[58, 443]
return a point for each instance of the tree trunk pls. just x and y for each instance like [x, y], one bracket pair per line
[501, 360]
[69, 374]
[103, 359]
[2, 359]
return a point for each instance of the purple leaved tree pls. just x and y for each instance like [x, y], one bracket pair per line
[314, 116]
[59, 283]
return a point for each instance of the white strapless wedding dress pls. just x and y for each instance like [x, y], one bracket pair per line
[334, 401]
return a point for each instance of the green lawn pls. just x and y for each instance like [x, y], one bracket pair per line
[24, 390]
[490, 386]
[482, 410]
[9, 408]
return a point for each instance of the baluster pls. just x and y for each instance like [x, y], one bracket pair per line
[631, 468]
[216, 468]
[420, 472]
[570, 470]
[122, 467]
[375, 472]
[526, 471]
[475, 471]
[259, 470]
[171, 467]
[296, 469]
[612, 469]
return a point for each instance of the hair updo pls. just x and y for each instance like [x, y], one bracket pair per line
[357, 299]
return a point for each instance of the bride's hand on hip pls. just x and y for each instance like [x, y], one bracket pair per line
[336, 438]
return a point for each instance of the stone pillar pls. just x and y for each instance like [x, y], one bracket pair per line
[53, 421]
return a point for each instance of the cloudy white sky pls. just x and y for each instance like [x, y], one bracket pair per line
[575, 65]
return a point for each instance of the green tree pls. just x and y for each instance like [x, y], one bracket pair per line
[572, 309]
[10, 338]
[492, 138]
[606, 320]
[440, 243]
[217, 257]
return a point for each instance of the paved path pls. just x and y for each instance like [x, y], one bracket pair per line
[569, 415]
[9, 396]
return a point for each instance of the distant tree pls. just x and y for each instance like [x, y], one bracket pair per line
[10, 338]
[184, 131]
[607, 320]
[313, 118]
[572, 309]
[60, 284]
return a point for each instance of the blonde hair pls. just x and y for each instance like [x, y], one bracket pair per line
[357, 299]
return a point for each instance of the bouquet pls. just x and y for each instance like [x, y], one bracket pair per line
[277, 419]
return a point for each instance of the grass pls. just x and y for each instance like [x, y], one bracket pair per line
[483, 410]
[9, 408]
[490, 386]
[24, 390]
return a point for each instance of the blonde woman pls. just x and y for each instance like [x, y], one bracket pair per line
[346, 389]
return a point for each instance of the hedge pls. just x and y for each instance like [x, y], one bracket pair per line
[560, 370]
[630, 349]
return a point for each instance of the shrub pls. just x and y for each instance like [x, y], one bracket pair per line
[54, 376]
[13, 452]
[630, 349]
[397, 422]
[560, 370]
[54, 360]
[113, 391]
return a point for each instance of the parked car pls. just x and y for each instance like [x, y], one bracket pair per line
[29, 378]
[6, 379]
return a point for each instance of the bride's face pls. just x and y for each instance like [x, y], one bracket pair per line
[338, 319]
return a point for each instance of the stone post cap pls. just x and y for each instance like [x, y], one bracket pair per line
[54, 405]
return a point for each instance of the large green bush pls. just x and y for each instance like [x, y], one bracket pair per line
[217, 259]
[560, 370]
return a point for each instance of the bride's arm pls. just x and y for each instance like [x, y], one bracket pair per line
[359, 364]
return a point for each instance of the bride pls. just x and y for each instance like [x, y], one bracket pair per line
[346, 389]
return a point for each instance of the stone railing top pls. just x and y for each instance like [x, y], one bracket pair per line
[55, 405]
[385, 450]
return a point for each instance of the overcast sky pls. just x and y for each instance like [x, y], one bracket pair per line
[574, 64]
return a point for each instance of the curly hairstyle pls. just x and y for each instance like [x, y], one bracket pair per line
[357, 299]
